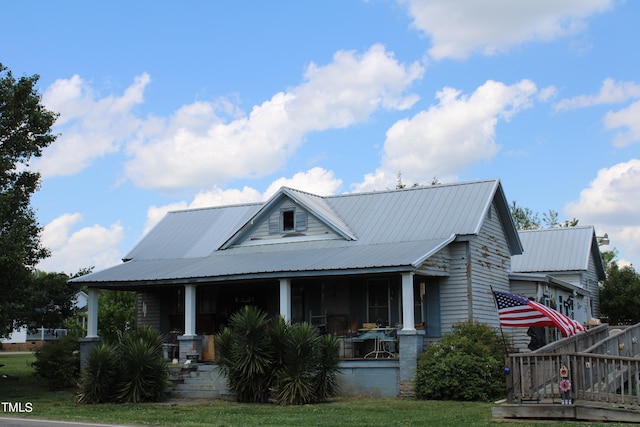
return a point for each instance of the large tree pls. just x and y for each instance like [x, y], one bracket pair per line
[620, 295]
[25, 130]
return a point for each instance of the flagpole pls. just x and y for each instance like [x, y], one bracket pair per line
[504, 342]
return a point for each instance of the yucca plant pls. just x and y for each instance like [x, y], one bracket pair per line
[99, 381]
[144, 373]
[328, 364]
[245, 355]
[262, 360]
[130, 370]
[296, 377]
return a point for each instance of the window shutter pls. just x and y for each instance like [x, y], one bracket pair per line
[301, 221]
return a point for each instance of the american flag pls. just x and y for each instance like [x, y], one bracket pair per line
[516, 311]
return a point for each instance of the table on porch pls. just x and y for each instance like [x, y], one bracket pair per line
[382, 341]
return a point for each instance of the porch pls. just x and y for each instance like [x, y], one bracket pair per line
[591, 377]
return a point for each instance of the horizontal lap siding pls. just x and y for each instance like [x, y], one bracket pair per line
[593, 288]
[453, 289]
[437, 265]
[152, 317]
[314, 226]
[490, 265]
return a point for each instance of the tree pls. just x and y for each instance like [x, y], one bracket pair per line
[25, 130]
[526, 219]
[116, 313]
[50, 300]
[620, 295]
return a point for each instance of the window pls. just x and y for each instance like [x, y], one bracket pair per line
[378, 301]
[288, 220]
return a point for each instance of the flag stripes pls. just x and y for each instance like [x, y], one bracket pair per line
[516, 311]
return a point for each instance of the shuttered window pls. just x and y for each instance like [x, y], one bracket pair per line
[288, 221]
[301, 221]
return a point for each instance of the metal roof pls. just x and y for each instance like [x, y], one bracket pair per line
[395, 230]
[557, 249]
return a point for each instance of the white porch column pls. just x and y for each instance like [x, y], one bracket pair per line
[92, 315]
[285, 299]
[408, 316]
[190, 309]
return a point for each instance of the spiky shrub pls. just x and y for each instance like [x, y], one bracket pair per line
[295, 384]
[144, 374]
[326, 376]
[467, 364]
[58, 362]
[245, 355]
[262, 360]
[99, 381]
[131, 369]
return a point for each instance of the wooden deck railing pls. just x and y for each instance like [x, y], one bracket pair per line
[605, 371]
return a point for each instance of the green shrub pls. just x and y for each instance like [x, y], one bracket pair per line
[144, 372]
[130, 370]
[263, 360]
[467, 364]
[58, 362]
[99, 381]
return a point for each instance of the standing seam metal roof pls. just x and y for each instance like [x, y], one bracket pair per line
[396, 229]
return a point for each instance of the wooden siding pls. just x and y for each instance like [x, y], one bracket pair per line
[490, 265]
[436, 265]
[593, 287]
[453, 289]
[315, 227]
[152, 316]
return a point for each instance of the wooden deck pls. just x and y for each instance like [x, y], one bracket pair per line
[604, 373]
[579, 411]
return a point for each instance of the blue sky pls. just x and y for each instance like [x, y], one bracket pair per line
[167, 105]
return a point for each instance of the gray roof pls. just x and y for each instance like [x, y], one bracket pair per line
[379, 231]
[563, 249]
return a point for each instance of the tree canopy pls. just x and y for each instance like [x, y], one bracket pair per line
[25, 130]
[526, 219]
[620, 295]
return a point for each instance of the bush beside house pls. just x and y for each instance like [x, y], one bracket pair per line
[131, 370]
[466, 365]
[275, 361]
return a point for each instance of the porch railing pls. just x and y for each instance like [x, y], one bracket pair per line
[606, 371]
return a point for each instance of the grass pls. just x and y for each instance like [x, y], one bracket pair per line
[343, 411]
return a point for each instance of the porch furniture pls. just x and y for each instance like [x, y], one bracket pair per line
[383, 339]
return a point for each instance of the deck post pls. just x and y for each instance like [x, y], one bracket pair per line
[189, 309]
[285, 299]
[92, 315]
[408, 315]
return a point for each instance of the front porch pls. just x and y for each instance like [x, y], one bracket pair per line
[365, 313]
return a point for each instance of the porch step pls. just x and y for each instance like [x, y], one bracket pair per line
[199, 381]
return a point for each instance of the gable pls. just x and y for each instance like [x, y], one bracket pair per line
[286, 221]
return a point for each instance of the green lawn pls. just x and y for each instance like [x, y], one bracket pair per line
[340, 412]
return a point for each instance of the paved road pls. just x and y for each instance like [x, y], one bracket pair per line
[26, 422]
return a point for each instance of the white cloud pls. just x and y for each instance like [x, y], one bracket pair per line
[610, 204]
[446, 138]
[317, 181]
[462, 27]
[73, 250]
[628, 118]
[196, 149]
[89, 127]
[611, 92]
